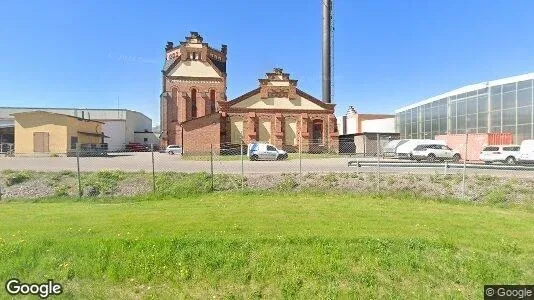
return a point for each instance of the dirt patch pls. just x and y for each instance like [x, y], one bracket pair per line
[134, 186]
[31, 189]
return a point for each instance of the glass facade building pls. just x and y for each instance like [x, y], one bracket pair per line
[504, 105]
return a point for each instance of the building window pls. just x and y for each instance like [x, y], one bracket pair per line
[145, 140]
[212, 100]
[73, 142]
[193, 103]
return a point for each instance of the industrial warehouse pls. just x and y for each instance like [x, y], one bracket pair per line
[498, 106]
[119, 127]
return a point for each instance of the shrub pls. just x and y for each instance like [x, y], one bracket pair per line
[330, 178]
[67, 173]
[13, 178]
[496, 197]
[102, 182]
[288, 183]
[61, 191]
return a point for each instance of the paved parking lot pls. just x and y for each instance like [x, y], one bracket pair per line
[131, 162]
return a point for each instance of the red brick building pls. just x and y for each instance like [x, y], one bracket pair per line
[196, 114]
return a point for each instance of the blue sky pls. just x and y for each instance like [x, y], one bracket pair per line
[388, 53]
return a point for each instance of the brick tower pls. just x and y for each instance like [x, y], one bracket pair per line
[193, 80]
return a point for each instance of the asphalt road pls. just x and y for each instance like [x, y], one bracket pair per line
[131, 162]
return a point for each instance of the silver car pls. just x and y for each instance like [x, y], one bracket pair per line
[262, 151]
[174, 149]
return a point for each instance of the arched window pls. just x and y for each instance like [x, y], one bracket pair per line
[212, 100]
[193, 103]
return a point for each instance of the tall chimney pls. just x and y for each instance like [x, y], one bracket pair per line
[327, 62]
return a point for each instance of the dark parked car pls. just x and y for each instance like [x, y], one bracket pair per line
[136, 147]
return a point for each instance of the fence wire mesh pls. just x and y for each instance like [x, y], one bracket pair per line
[372, 163]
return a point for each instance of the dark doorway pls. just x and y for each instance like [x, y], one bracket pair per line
[317, 132]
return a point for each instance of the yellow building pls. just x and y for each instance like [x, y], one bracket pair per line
[43, 132]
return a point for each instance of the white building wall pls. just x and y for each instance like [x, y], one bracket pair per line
[379, 125]
[151, 138]
[131, 123]
[340, 125]
[352, 124]
[141, 123]
[101, 114]
[115, 130]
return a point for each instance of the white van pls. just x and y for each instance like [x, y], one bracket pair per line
[526, 151]
[390, 148]
[405, 150]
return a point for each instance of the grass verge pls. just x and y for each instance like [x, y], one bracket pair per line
[267, 245]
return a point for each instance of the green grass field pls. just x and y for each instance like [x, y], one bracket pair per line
[271, 245]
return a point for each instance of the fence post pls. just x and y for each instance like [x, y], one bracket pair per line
[153, 170]
[300, 156]
[211, 163]
[378, 156]
[465, 162]
[242, 166]
[78, 167]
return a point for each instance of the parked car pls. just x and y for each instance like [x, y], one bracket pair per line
[174, 149]
[526, 151]
[136, 147]
[508, 154]
[263, 151]
[435, 152]
[405, 149]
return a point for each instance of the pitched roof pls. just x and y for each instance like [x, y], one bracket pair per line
[299, 92]
[220, 66]
[168, 64]
[244, 96]
[51, 113]
[315, 100]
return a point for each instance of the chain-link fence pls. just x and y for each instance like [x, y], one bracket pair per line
[374, 163]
